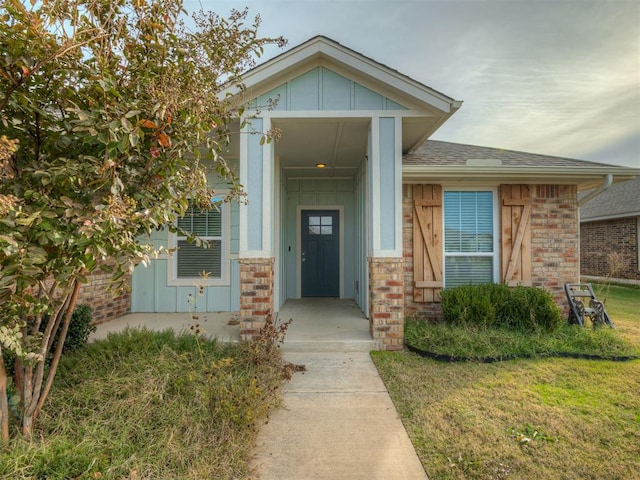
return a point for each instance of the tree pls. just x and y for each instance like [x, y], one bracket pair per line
[111, 113]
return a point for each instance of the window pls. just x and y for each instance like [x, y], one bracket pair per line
[190, 260]
[469, 237]
[320, 225]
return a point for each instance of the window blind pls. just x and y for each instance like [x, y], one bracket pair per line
[468, 237]
[191, 259]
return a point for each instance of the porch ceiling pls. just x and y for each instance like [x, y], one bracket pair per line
[339, 143]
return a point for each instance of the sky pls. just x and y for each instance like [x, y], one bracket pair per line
[552, 77]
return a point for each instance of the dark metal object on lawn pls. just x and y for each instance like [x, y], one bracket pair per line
[583, 303]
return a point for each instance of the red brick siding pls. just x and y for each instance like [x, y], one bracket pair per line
[106, 305]
[554, 239]
[599, 240]
[386, 301]
[554, 244]
[256, 295]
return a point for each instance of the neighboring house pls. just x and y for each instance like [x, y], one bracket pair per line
[392, 217]
[610, 233]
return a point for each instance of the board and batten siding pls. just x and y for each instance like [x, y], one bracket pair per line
[323, 89]
[151, 293]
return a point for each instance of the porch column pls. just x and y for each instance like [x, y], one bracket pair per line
[256, 256]
[386, 264]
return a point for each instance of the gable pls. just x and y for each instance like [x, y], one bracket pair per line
[323, 89]
[373, 83]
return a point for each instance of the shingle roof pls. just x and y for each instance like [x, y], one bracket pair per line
[435, 152]
[619, 200]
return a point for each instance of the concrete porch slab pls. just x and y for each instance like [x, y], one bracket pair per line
[212, 324]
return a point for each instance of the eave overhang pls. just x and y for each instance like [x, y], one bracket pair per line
[465, 175]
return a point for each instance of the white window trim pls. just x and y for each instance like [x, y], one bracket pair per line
[225, 261]
[496, 233]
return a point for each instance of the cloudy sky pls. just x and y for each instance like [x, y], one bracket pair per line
[554, 77]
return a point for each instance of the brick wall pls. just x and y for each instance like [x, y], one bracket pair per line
[554, 244]
[256, 294]
[609, 248]
[554, 239]
[106, 305]
[386, 301]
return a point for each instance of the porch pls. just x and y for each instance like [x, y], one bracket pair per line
[318, 324]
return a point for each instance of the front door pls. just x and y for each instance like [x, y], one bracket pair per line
[320, 253]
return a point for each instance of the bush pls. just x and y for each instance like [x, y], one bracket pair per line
[497, 305]
[80, 327]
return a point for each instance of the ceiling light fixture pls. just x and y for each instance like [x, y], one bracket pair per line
[321, 165]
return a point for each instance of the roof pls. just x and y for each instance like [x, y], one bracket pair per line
[618, 201]
[434, 152]
[470, 164]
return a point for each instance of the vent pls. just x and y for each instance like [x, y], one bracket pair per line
[484, 162]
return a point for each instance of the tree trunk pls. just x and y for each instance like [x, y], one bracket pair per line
[34, 392]
[4, 402]
[58, 353]
[27, 426]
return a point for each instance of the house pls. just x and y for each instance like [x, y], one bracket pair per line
[610, 234]
[355, 202]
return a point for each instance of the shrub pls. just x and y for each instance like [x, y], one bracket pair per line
[497, 305]
[80, 328]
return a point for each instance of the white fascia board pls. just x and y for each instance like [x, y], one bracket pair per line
[584, 177]
[346, 114]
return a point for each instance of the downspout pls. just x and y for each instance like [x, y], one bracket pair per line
[608, 180]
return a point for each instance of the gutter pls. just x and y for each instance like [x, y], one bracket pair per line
[608, 180]
[585, 177]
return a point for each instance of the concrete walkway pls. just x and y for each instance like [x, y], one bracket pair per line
[337, 419]
[337, 422]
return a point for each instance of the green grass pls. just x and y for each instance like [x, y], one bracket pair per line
[148, 405]
[543, 418]
[466, 343]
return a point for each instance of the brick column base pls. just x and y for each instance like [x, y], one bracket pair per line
[256, 295]
[386, 301]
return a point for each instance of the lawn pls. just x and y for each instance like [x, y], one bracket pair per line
[151, 405]
[543, 418]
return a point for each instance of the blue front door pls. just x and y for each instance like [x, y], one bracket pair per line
[320, 253]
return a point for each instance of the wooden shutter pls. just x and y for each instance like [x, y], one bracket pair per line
[427, 243]
[516, 234]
